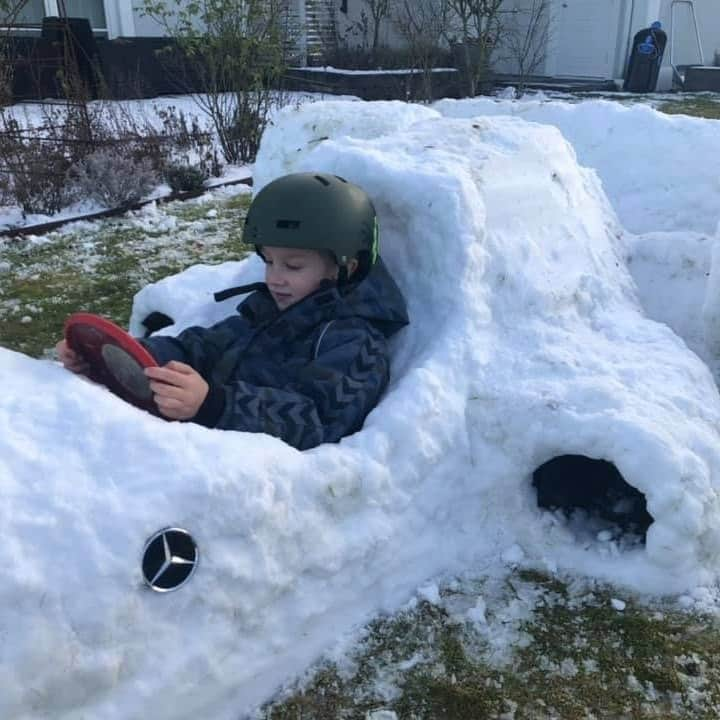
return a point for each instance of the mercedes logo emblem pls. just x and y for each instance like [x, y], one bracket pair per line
[169, 559]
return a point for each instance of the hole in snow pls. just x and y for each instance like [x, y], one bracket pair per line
[593, 495]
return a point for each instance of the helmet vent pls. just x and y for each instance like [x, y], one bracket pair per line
[322, 180]
[287, 224]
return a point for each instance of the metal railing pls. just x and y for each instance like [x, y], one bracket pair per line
[677, 75]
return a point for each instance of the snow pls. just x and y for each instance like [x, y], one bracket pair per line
[382, 715]
[399, 71]
[534, 333]
[658, 170]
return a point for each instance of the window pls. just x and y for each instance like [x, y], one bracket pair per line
[31, 13]
[34, 11]
[93, 10]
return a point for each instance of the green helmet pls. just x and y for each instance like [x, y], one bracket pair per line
[314, 211]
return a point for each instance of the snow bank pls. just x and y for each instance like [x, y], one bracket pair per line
[527, 342]
[659, 170]
[672, 271]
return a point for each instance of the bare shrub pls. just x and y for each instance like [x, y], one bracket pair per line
[424, 25]
[356, 44]
[32, 170]
[35, 161]
[113, 179]
[368, 29]
[113, 153]
[477, 28]
[188, 143]
[10, 10]
[527, 42]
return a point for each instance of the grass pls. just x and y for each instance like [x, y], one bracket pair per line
[98, 267]
[571, 655]
[702, 105]
[705, 106]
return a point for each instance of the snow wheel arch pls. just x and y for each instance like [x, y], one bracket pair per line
[576, 482]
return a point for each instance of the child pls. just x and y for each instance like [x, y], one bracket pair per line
[306, 357]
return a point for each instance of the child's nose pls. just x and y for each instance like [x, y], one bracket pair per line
[275, 276]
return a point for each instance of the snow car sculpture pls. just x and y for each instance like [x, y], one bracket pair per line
[527, 343]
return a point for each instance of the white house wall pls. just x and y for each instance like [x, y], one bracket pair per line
[708, 18]
[120, 18]
[145, 26]
[516, 20]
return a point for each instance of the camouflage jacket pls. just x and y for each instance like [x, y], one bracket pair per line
[309, 374]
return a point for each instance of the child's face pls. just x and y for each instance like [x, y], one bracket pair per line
[291, 274]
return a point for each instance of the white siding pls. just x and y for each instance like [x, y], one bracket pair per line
[708, 17]
[145, 26]
[516, 21]
[584, 38]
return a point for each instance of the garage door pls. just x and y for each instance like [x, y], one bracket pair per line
[586, 36]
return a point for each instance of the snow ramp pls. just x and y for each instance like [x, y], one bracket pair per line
[526, 343]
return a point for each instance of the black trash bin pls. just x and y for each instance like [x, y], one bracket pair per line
[645, 59]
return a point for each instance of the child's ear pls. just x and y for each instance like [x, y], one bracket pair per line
[352, 266]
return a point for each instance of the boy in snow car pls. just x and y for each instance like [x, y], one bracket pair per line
[306, 357]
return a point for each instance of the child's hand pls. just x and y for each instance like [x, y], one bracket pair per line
[179, 390]
[70, 359]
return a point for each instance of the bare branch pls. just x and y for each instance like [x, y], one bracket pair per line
[10, 11]
[477, 29]
[379, 11]
[527, 43]
[424, 25]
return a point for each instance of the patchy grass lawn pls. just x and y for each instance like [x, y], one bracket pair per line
[705, 106]
[532, 647]
[98, 267]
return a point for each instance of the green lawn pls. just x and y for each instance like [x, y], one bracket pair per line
[98, 267]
